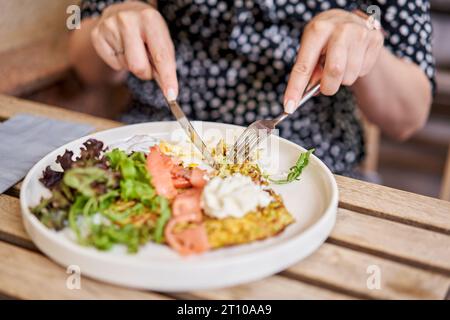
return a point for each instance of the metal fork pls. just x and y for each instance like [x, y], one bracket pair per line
[258, 132]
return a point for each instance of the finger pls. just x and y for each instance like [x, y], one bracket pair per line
[356, 54]
[315, 77]
[313, 41]
[372, 52]
[111, 33]
[161, 51]
[355, 59]
[135, 51]
[105, 51]
[335, 65]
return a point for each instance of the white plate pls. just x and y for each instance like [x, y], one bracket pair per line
[312, 201]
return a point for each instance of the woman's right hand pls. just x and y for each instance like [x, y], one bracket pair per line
[133, 36]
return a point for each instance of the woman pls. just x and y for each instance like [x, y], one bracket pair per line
[241, 60]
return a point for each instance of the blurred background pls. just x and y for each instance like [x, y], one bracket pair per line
[34, 66]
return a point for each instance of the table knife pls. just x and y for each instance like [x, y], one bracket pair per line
[190, 131]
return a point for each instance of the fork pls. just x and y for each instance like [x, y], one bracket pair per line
[259, 130]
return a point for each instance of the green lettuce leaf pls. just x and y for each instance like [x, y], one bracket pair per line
[82, 179]
[163, 218]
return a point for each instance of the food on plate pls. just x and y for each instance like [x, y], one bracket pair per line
[130, 195]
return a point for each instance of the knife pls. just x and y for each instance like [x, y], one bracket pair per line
[190, 131]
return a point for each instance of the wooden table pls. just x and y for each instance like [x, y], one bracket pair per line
[403, 235]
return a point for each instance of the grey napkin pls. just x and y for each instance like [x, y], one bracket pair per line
[25, 139]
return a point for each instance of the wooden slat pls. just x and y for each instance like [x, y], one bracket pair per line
[408, 244]
[30, 275]
[397, 205]
[11, 226]
[14, 191]
[342, 270]
[334, 266]
[275, 287]
[372, 147]
[10, 106]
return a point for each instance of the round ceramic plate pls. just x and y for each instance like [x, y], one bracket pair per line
[312, 201]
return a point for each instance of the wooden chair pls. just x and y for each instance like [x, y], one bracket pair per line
[33, 47]
[34, 62]
[372, 139]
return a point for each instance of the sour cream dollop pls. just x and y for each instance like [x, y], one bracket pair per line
[233, 196]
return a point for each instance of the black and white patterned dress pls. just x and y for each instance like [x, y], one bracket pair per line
[234, 59]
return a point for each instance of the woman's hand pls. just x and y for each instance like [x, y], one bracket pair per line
[133, 36]
[349, 47]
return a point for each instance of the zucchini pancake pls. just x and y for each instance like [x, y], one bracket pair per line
[144, 190]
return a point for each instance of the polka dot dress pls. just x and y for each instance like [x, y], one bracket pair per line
[234, 59]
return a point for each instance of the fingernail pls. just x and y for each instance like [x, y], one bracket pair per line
[289, 107]
[171, 94]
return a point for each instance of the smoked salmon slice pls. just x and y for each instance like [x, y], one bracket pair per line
[185, 178]
[180, 177]
[187, 203]
[160, 166]
[197, 178]
[193, 240]
[181, 182]
[167, 176]
[186, 207]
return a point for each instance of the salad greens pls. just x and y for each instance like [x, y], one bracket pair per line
[295, 171]
[162, 220]
[105, 198]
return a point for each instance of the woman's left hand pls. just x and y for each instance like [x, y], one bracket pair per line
[350, 48]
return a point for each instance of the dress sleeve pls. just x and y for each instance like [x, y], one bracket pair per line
[407, 24]
[93, 8]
